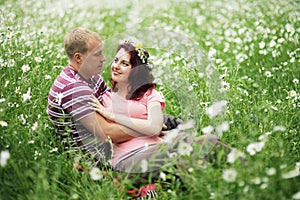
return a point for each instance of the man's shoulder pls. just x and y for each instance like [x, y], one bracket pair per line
[68, 79]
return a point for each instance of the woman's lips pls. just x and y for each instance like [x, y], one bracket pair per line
[115, 73]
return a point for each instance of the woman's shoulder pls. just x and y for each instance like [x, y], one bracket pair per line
[152, 92]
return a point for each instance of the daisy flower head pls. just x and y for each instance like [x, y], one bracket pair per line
[34, 126]
[222, 128]
[187, 125]
[291, 174]
[234, 155]
[271, 171]
[25, 68]
[26, 96]
[255, 147]
[208, 129]
[163, 176]
[279, 128]
[268, 74]
[47, 77]
[184, 148]
[11, 63]
[292, 93]
[229, 175]
[95, 174]
[216, 108]
[38, 59]
[3, 123]
[296, 81]
[262, 45]
[296, 195]
[4, 156]
[224, 86]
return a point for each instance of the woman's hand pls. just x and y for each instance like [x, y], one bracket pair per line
[98, 107]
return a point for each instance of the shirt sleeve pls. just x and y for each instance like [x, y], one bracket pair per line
[75, 100]
[154, 95]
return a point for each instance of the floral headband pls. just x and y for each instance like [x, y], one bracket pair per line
[140, 50]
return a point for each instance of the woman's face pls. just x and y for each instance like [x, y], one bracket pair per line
[121, 67]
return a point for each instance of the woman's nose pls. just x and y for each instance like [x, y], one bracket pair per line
[115, 65]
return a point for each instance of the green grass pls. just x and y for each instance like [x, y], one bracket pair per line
[257, 53]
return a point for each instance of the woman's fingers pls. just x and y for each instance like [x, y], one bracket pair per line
[95, 100]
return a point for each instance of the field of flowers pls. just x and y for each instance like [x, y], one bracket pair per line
[233, 67]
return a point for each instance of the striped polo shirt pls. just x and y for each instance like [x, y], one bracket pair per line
[68, 104]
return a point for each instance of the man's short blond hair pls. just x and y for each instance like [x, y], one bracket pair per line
[77, 40]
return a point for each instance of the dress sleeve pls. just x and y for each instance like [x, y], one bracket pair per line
[154, 95]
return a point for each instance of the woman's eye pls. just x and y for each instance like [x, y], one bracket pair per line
[116, 60]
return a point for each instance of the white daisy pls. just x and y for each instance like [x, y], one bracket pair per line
[95, 174]
[38, 59]
[222, 128]
[295, 81]
[291, 174]
[255, 147]
[279, 128]
[4, 156]
[25, 68]
[162, 175]
[229, 175]
[271, 171]
[187, 125]
[3, 123]
[262, 45]
[26, 96]
[234, 155]
[208, 129]
[296, 195]
[184, 148]
[216, 108]
[34, 126]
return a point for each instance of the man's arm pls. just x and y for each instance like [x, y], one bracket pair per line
[96, 124]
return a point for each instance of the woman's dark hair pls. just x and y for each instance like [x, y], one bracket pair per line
[140, 79]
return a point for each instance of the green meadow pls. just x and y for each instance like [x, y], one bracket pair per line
[244, 55]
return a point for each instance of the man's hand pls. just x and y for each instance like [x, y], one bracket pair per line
[170, 122]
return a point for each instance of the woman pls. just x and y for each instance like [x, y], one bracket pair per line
[134, 102]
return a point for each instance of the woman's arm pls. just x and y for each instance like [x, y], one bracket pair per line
[150, 126]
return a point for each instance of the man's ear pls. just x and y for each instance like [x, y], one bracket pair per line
[78, 58]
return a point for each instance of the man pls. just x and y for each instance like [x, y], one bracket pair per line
[79, 127]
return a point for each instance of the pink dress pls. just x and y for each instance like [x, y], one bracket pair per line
[133, 109]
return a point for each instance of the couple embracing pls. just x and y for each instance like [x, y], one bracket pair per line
[118, 127]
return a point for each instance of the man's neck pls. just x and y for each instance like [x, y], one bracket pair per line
[76, 68]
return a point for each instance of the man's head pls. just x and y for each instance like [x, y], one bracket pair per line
[78, 40]
[84, 49]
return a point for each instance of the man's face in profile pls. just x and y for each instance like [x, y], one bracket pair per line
[94, 59]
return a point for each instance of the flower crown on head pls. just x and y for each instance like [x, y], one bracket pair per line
[141, 52]
[139, 48]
